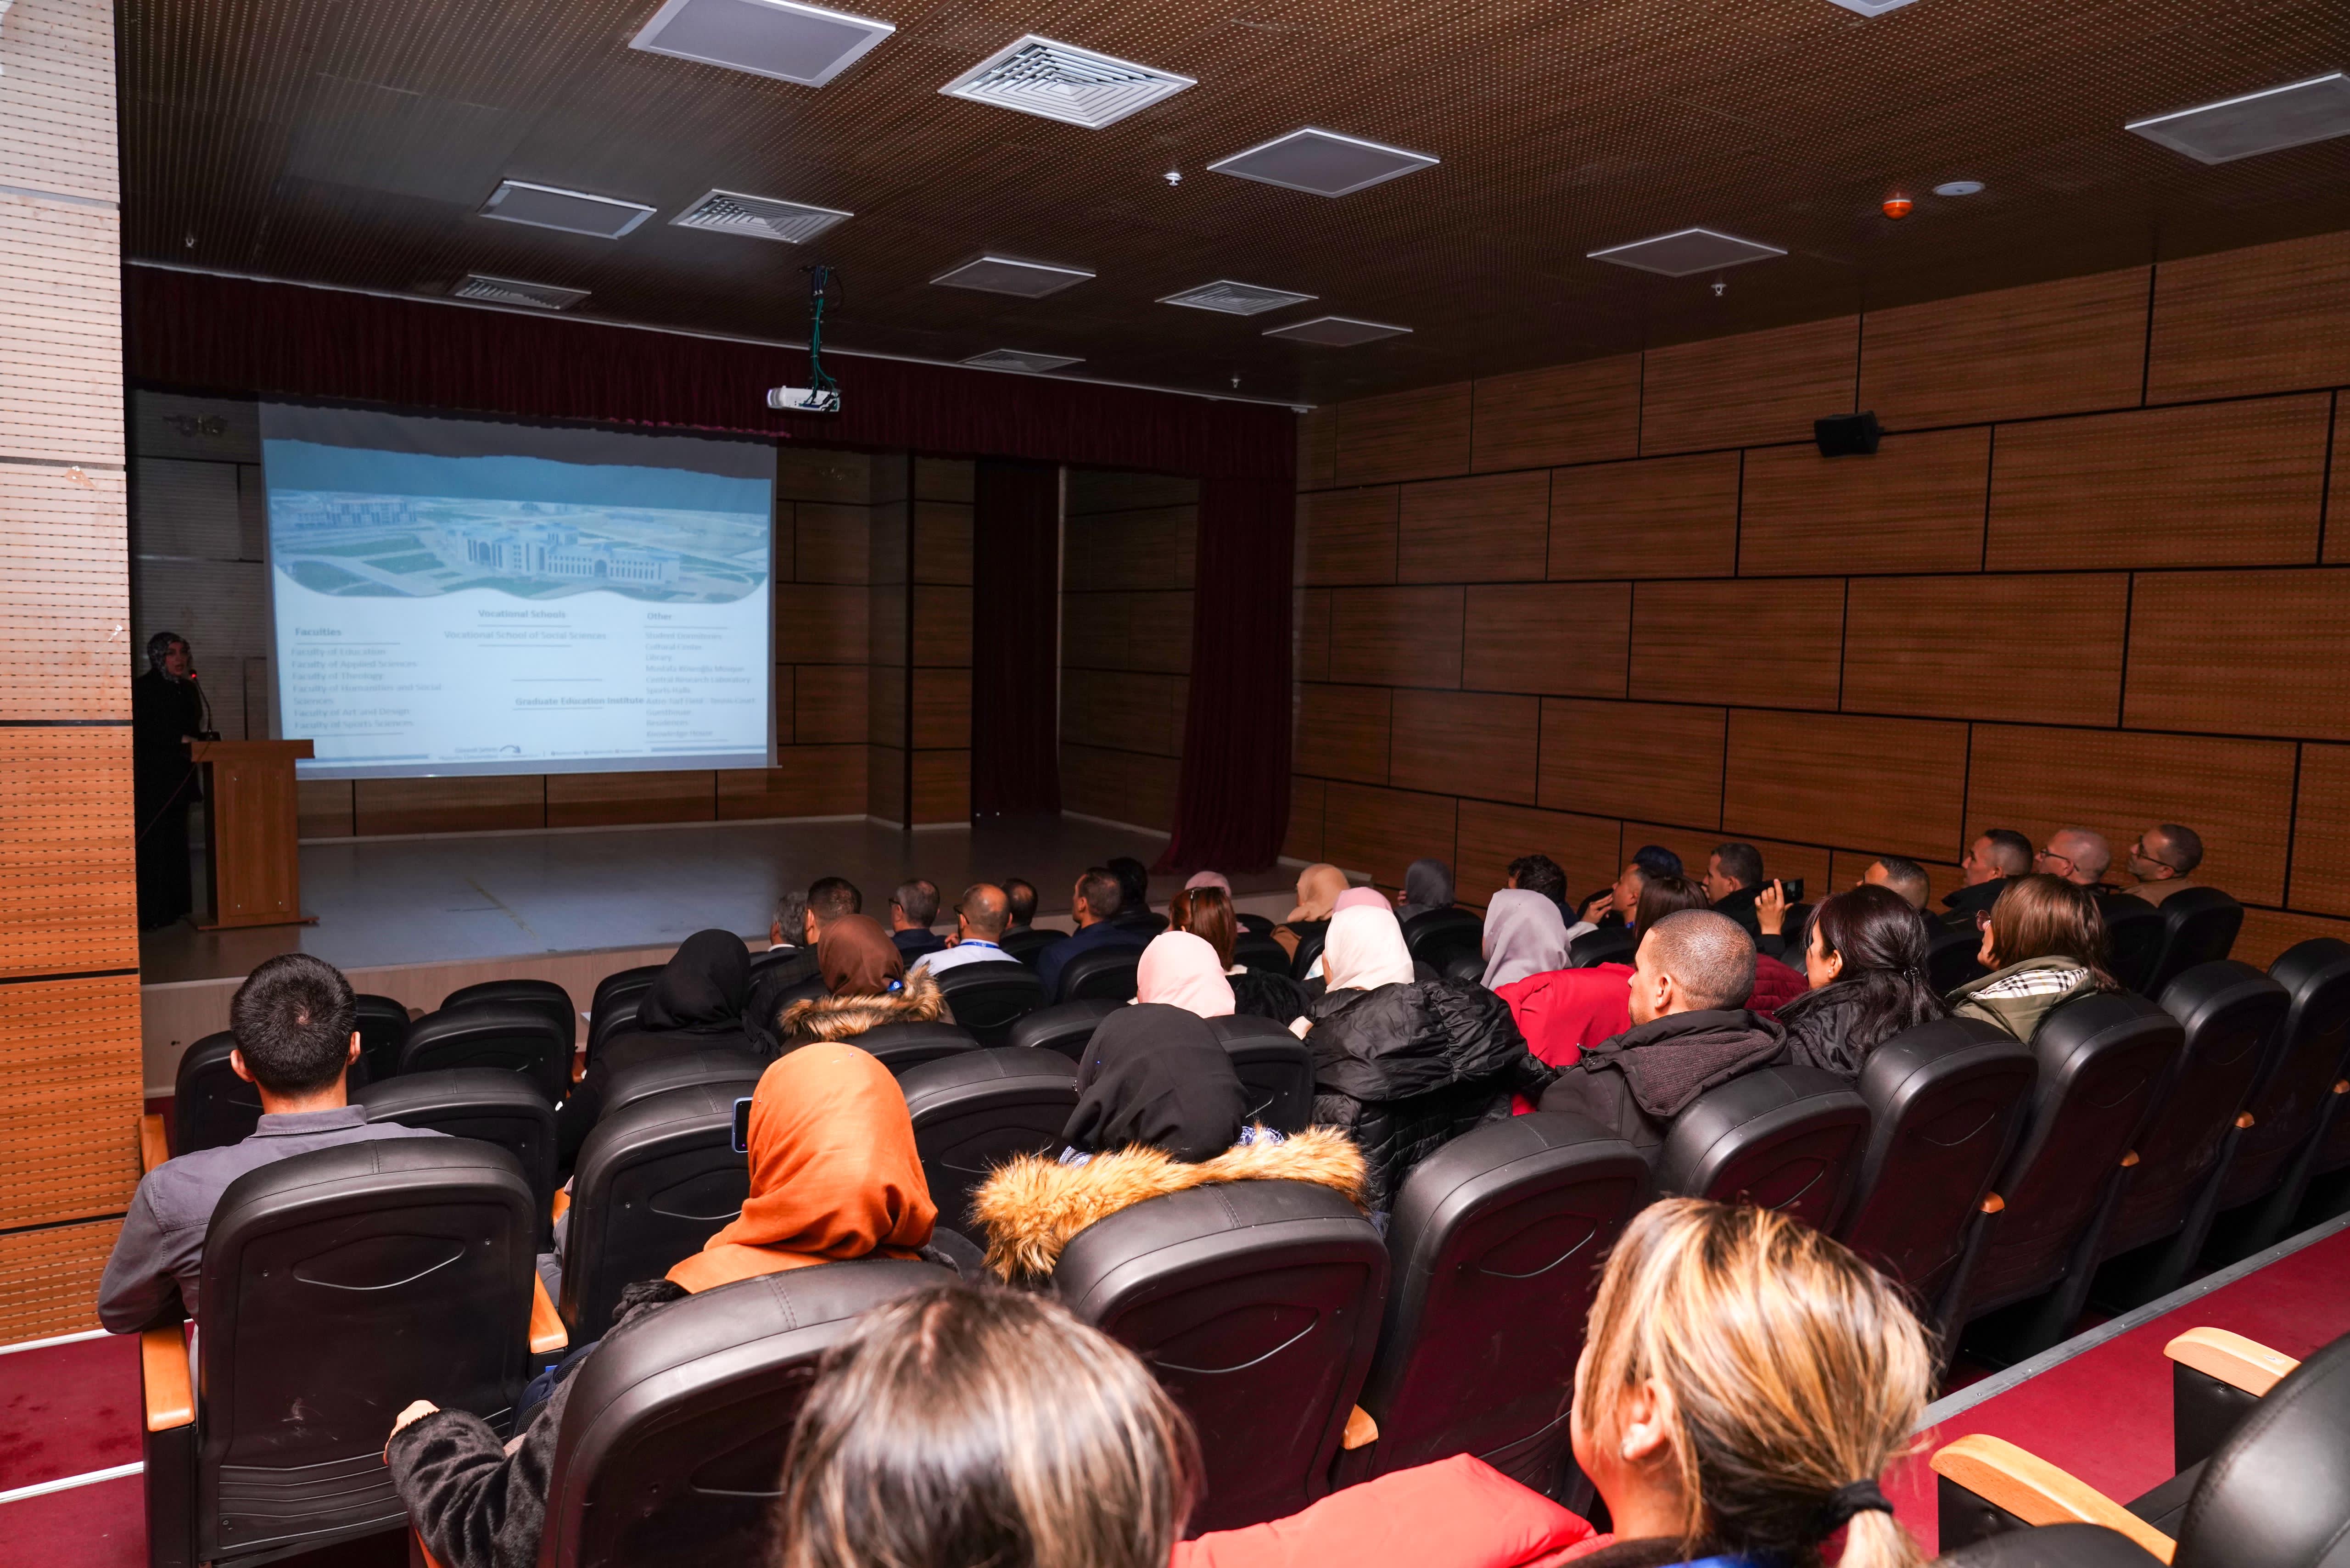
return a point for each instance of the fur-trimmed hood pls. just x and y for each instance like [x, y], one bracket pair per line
[845, 1017]
[1033, 1206]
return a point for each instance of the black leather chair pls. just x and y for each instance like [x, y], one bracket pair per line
[1251, 951]
[1065, 1027]
[653, 1182]
[515, 1036]
[1256, 1305]
[1252, 925]
[543, 994]
[1024, 943]
[1309, 950]
[988, 999]
[337, 1284]
[212, 1107]
[681, 1069]
[2269, 1169]
[2135, 933]
[1105, 974]
[1439, 937]
[482, 1103]
[1609, 944]
[1946, 1101]
[1785, 1138]
[976, 1110]
[2051, 1546]
[1497, 1239]
[613, 1006]
[382, 1023]
[2199, 926]
[1275, 1067]
[1951, 957]
[673, 1443]
[911, 1044]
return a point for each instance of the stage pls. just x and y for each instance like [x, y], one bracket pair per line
[416, 917]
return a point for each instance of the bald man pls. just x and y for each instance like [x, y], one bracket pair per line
[2163, 862]
[2079, 855]
[981, 915]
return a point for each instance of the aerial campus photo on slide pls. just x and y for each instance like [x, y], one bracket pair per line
[469, 597]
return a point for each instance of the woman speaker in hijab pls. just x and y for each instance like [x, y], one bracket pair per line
[695, 1005]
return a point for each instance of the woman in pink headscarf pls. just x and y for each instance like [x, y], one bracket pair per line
[1180, 970]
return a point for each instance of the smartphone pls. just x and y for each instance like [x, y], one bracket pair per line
[742, 1125]
[1793, 888]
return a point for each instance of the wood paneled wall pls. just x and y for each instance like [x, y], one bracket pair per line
[2098, 572]
[1128, 541]
[70, 1075]
[918, 724]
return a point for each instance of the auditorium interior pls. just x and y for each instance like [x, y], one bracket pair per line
[1437, 796]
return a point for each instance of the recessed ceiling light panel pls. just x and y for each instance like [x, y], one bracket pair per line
[1041, 76]
[1021, 359]
[782, 39]
[573, 212]
[514, 291]
[2266, 121]
[1323, 163]
[1002, 274]
[1234, 298]
[1871, 7]
[760, 217]
[1686, 251]
[1336, 331]
[1960, 188]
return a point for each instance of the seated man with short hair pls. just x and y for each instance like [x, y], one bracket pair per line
[1996, 857]
[1134, 896]
[2163, 862]
[1690, 1031]
[912, 908]
[791, 977]
[1020, 897]
[1094, 904]
[1902, 875]
[1733, 878]
[2079, 855]
[296, 1034]
[980, 915]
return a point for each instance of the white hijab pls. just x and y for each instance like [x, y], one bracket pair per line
[1364, 949]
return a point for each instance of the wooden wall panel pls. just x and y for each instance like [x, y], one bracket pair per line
[70, 1099]
[1092, 491]
[1409, 435]
[1488, 529]
[64, 592]
[1568, 639]
[1134, 712]
[1750, 389]
[2220, 484]
[1121, 787]
[2238, 794]
[2269, 318]
[68, 895]
[942, 544]
[1490, 836]
[1317, 447]
[2070, 347]
[806, 781]
[2267, 933]
[1121, 631]
[1584, 412]
[943, 624]
[831, 543]
[1973, 646]
[1151, 547]
[885, 782]
[942, 786]
[601, 800]
[944, 479]
[450, 804]
[1849, 868]
[56, 107]
[825, 473]
[2319, 874]
[48, 1279]
[1916, 506]
[324, 808]
[1395, 637]
[1896, 785]
[1675, 756]
[942, 709]
[1757, 643]
[1348, 536]
[828, 703]
[1314, 634]
[821, 623]
[1343, 732]
[2282, 638]
[1465, 743]
[60, 332]
[1784, 860]
[1382, 831]
[1674, 517]
[1304, 839]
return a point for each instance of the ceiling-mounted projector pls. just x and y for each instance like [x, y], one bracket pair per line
[805, 400]
[822, 394]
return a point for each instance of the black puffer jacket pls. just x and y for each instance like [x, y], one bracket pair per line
[1406, 1068]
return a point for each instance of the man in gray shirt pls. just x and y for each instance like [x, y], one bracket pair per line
[293, 1019]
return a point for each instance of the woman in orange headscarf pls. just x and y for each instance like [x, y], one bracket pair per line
[834, 1176]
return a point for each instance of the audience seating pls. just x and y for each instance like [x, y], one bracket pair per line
[654, 1180]
[210, 1105]
[1439, 937]
[1251, 951]
[974, 1111]
[1609, 944]
[2274, 1156]
[2199, 925]
[613, 1006]
[1276, 1067]
[515, 1036]
[1946, 1102]
[1256, 1304]
[481, 1102]
[1027, 942]
[988, 999]
[1951, 960]
[1497, 1240]
[1065, 1027]
[418, 1249]
[1254, 925]
[679, 1069]
[1784, 1139]
[543, 994]
[382, 1023]
[1309, 952]
[672, 1442]
[2054, 1546]
[2135, 933]
[910, 1043]
[1105, 974]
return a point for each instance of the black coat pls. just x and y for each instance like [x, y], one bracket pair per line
[1967, 902]
[1636, 1084]
[1259, 995]
[1406, 1069]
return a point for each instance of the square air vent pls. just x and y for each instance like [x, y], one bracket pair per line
[1020, 359]
[573, 212]
[1002, 274]
[514, 291]
[1686, 251]
[1234, 298]
[1335, 331]
[1060, 81]
[2264, 122]
[1322, 162]
[782, 39]
[761, 217]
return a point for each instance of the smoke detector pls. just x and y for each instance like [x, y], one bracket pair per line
[760, 217]
[1323, 163]
[514, 291]
[1020, 359]
[782, 39]
[1041, 76]
[1686, 251]
[1002, 274]
[1234, 298]
[2266, 121]
[573, 212]
[1335, 331]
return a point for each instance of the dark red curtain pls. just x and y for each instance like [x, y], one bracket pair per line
[1232, 810]
[1015, 592]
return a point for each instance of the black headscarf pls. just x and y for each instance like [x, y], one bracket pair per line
[1157, 1076]
[700, 990]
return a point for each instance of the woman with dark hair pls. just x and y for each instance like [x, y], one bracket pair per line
[868, 986]
[2044, 943]
[1866, 964]
[695, 1003]
[1206, 911]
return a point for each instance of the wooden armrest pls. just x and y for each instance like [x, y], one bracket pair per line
[164, 1377]
[2037, 1493]
[1994, 1204]
[546, 1330]
[153, 1148]
[562, 1204]
[2239, 1363]
[1361, 1430]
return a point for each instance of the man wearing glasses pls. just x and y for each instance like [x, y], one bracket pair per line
[2163, 862]
[2078, 855]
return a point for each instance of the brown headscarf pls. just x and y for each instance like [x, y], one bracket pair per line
[1318, 886]
[834, 1174]
[856, 958]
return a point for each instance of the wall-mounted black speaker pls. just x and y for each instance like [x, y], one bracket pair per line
[1847, 435]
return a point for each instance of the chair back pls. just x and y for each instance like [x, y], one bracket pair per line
[737, 1065]
[1024, 943]
[519, 1037]
[2135, 933]
[2199, 926]
[1257, 951]
[987, 999]
[1950, 960]
[543, 994]
[613, 1006]
[1609, 944]
[672, 1446]
[1786, 1138]
[976, 1110]
[1256, 1305]
[654, 1181]
[1274, 1067]
[1439, 937]
[909, 1043]
[1497, 1240]
[2276, 1495]
[382, 1023]
[2287, 1107]
[1105, 974]
[2048, 1546]
[481, 1102]
[212, 1107]
[1065, 1027]
[1309, 949]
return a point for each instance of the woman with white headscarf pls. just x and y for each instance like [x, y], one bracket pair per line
[1524, 935]
[1180, 970]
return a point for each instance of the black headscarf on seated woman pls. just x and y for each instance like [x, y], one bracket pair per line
[1157, 1076]
[695, 1003]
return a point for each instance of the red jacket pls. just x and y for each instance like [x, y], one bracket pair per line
[1459, 1512]
[1776, 985]
[1564, 1010]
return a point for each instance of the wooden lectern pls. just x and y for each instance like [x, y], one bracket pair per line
[250, 829]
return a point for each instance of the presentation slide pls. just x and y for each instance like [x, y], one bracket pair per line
[462, 595]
